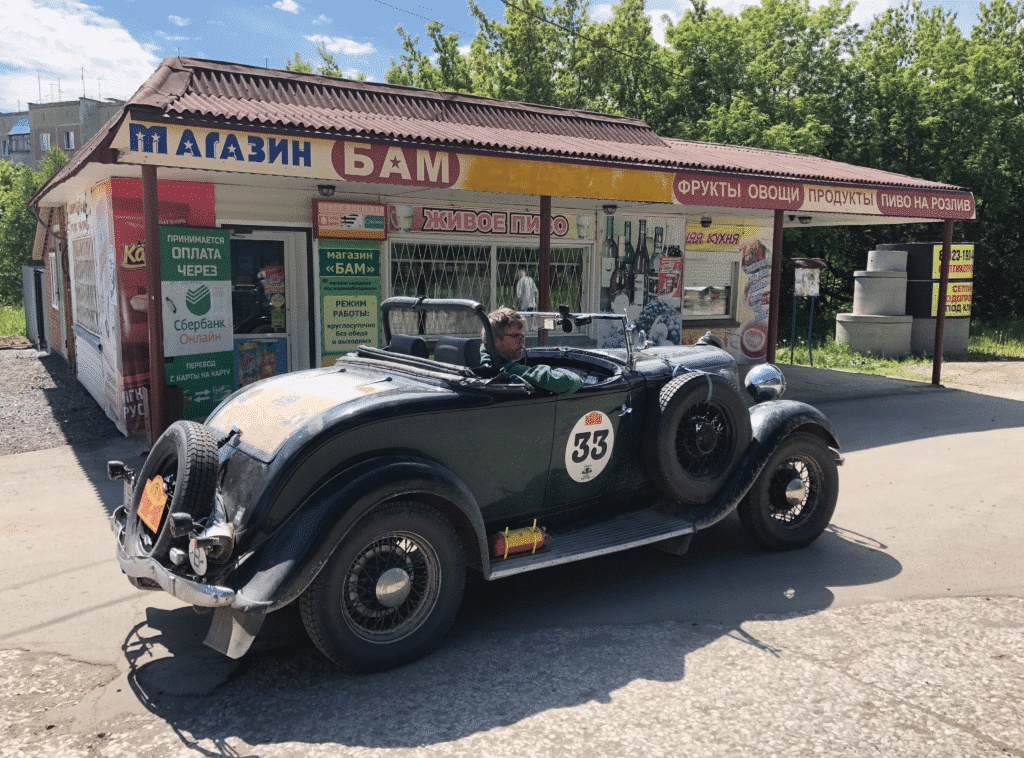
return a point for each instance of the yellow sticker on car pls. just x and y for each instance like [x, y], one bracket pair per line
[152, 503]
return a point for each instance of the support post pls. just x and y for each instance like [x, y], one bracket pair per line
[544, 268]
[940, 316]
[773, 300]
[65, 275]
[151, 225]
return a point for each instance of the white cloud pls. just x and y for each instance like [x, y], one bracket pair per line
[322, 19]
[464, 49]
[287, 5]
[60, 39]
[342, 45]
[179, 20]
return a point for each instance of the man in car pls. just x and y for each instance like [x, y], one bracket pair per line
[508, 328]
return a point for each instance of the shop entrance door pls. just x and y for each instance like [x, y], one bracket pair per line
[268, 299]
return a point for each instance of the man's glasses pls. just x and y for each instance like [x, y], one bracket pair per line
[517, 337]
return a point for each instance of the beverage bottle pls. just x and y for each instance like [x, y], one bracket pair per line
[626, 248]
[610, 250]
[659, 250]
[641, 266]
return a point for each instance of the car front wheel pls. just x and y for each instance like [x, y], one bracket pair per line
[390, 591]
[794, 497]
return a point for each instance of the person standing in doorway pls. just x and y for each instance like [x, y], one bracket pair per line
[526, 294]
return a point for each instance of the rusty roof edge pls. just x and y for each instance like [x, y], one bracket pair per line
[169, 82]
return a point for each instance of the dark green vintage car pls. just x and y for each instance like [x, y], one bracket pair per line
[365, 490]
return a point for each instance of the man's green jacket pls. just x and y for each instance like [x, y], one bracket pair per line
[560, 380]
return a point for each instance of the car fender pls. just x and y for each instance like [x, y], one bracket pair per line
[771, 422]
[283, 566]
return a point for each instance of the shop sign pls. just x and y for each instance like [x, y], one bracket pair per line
[195, 269]
[961, 262]
[367, 161]
[348, 220]
[424, 219]
[717, 191]
[349, 296]
[713, 238]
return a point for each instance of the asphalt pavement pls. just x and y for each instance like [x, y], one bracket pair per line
[900, 632]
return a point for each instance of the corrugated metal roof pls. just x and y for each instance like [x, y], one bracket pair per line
[204, 90]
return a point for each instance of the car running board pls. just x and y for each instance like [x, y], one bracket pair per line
[620, 532]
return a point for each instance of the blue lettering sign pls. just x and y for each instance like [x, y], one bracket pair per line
[152, 137]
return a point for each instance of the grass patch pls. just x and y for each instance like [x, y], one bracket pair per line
[12, 321]
[988, 342]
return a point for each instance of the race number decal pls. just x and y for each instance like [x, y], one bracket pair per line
[589, 446]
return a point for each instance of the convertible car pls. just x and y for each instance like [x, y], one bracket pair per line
[366, 490]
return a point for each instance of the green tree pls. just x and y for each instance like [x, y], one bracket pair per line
[18, 183]
[328, 65]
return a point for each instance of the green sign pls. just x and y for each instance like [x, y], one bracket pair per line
[195, 269]
[349, 296]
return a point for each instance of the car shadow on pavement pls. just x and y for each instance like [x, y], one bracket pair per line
[564, 637]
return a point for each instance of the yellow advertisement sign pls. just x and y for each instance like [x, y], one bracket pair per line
[958, 299]
[961, 262]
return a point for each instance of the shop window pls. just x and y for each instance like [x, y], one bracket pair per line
[257, 280]
[708, 287]
[485, 273]
[54, 288]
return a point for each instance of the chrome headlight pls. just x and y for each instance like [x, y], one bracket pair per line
[765, 382]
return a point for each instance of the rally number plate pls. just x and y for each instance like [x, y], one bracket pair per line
[153, 502]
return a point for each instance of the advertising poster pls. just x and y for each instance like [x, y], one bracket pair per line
[349, 296]
[180, 204]
[195, 272]
[348, 220]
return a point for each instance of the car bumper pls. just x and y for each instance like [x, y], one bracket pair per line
[149, 574]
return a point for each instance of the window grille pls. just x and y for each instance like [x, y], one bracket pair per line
[86, 308]
[484, 273]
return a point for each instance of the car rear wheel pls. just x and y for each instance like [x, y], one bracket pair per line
[700, 431]
[185, 460]
[390, 591]
[794, 497]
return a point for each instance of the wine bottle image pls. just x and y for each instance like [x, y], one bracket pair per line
[655, 270]
[629, 259]
[609, 251]
[641, 267]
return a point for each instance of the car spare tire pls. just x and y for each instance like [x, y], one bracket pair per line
[699, 432]
[185, 460]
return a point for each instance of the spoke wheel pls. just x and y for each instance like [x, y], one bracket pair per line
[697, 436]
[794, 497]
[391, 587]
[390, 591]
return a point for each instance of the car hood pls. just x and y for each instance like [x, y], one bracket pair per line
[271, 411]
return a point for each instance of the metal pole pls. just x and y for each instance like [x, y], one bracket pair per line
[810, 331]
[792, 332]
[544, 269]
[151, 224]
[940, 316]
[773, 297]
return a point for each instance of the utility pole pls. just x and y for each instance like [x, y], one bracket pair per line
[83, 81]
[60, 96]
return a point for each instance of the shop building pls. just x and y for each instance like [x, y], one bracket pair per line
[285, 206]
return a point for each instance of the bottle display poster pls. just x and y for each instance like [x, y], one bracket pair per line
[349, 296]
[195, 272]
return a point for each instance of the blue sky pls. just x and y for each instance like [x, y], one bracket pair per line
[62, 49]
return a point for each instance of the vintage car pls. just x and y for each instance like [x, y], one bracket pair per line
[364, 491]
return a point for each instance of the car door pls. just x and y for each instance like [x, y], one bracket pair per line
[596, 443]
